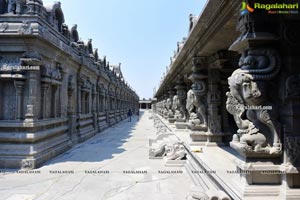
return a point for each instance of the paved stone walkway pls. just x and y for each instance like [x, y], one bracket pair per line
[113, 165]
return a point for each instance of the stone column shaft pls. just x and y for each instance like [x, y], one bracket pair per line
[32, 95]
[45, 88]
[79, 96]
[19, 85]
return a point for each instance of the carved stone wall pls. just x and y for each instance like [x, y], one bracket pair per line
[59, 89]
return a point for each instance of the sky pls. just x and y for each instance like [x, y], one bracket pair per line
[140, 34]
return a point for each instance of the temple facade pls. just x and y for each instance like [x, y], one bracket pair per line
[232, 92]
[55, 91]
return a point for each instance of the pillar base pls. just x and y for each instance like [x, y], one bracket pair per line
[259, 179]
[181, 124]
[171, 120]
[200, 138]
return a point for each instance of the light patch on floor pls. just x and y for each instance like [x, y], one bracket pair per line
[21, 197]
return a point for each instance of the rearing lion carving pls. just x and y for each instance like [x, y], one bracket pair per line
[248, 97]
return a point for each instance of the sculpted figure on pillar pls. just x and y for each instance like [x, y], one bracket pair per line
[248, 101]
[169, 106]
[171, 117]
[165, 108]
[181, 95]
[12, 5]
[196, 110]
[196, 96]
[175, 107]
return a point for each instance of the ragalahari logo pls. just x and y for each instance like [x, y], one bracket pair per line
[246, 8]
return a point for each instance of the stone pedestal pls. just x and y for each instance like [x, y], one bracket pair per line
[171, 120]
[201, 138]
[257, 177]
[181, 124]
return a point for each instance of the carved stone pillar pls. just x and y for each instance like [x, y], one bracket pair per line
[59, 103]
[99, 99]
[11, 6]
[103, 101]
[249, 94]
[79, 96]
[165, 106]
[54, 100]
[94, 107]
[94, 102]
[106, 100]
[62, 94]
[90, 100]
[71, 114]
[19, 85]
[71, 88]
[214, 103]
[32, 96]
[253, 99]
[19, 6]
[196, 96]
[181, 113]
[45, 87]
[171, 116]
[196, 104]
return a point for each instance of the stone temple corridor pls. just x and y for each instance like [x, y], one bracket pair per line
[111, 165]
[222, 124]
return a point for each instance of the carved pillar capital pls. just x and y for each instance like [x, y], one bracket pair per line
[257, 29]
[19, 85]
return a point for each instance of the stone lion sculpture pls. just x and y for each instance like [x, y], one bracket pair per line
[248, 99]
[196, 111]
[175, 151]
[176, 107]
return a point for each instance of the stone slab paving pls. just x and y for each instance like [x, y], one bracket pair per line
[112, 165]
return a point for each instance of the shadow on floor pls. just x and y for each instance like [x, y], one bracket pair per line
[102, 146]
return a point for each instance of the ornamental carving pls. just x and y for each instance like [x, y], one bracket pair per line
[169, 107]
[71, 85]
[165, 107]
[175, 151]
[53, 73]
[27, 164]
[196, 96]
[196, 111]
[25, 29]
[293, 86]
[181, 95]
[293, 149]
[253, 110]
[176, 107]
[3, 27]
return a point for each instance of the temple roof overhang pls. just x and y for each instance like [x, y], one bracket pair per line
[215, 30]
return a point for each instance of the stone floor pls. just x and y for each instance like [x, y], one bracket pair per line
[112, 165]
